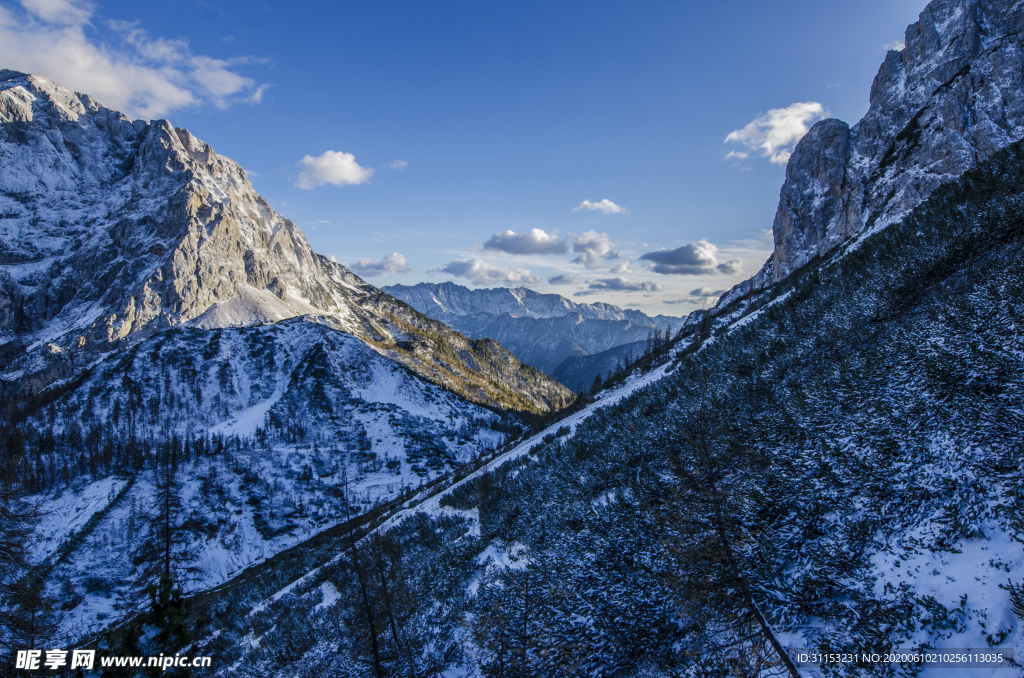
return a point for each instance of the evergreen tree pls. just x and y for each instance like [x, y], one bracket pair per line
[162, 560]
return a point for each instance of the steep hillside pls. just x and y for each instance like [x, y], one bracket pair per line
[840, 470]
[273, 434]
[113, 231]
[581, 370]
[542, 330]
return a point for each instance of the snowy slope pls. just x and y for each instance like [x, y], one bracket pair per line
[284, 421]
[855, 437]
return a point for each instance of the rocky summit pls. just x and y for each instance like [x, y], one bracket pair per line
[948, 100]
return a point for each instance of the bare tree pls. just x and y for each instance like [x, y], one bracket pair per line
[715, 466]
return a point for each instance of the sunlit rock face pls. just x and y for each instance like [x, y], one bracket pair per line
[950, 99]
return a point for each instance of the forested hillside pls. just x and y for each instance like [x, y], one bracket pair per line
[843, 466]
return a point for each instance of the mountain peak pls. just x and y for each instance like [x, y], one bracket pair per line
[22, 95]
[114, 231]
[949, 99]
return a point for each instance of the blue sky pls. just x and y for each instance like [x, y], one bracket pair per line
[595, 132]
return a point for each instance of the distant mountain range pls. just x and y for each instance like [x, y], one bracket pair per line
[542, 330]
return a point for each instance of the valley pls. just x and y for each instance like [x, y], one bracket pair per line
[216, 441]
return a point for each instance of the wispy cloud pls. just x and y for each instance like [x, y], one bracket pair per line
[485, 273]
[391, 263]
[142, 76]
[398, 164]
[536, 241]
[775, 133]
[605, 206]
[593, 249]
[697, 258]
[333, 167]
[897, 45]
[562, 279]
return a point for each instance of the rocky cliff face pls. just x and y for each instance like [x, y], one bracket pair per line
[950, 99]
[113, 230]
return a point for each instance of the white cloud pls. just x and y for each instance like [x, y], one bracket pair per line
[618, 284]
[776, 133]
[142, 76]
[593, 249]
[605, 206]
[701, 295]
[562, 279]
[333, 167]
[392, 263]
[697, 258]
[485, 273]
[60, 12]
[534, 242]
[398, 164]
[736, 155]
[897, 45]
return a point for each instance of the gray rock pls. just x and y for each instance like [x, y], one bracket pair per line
[950, 99]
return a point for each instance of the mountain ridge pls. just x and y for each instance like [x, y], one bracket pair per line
[542, 330]
[115, 230]
[519, 302]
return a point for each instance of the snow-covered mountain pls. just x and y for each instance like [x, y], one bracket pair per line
[164, 332]
[840, 469]
[542, 330]
[271, 430]
[827, 459]
[114, 230]
[520, 302]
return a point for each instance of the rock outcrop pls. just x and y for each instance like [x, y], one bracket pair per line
[950, 99]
